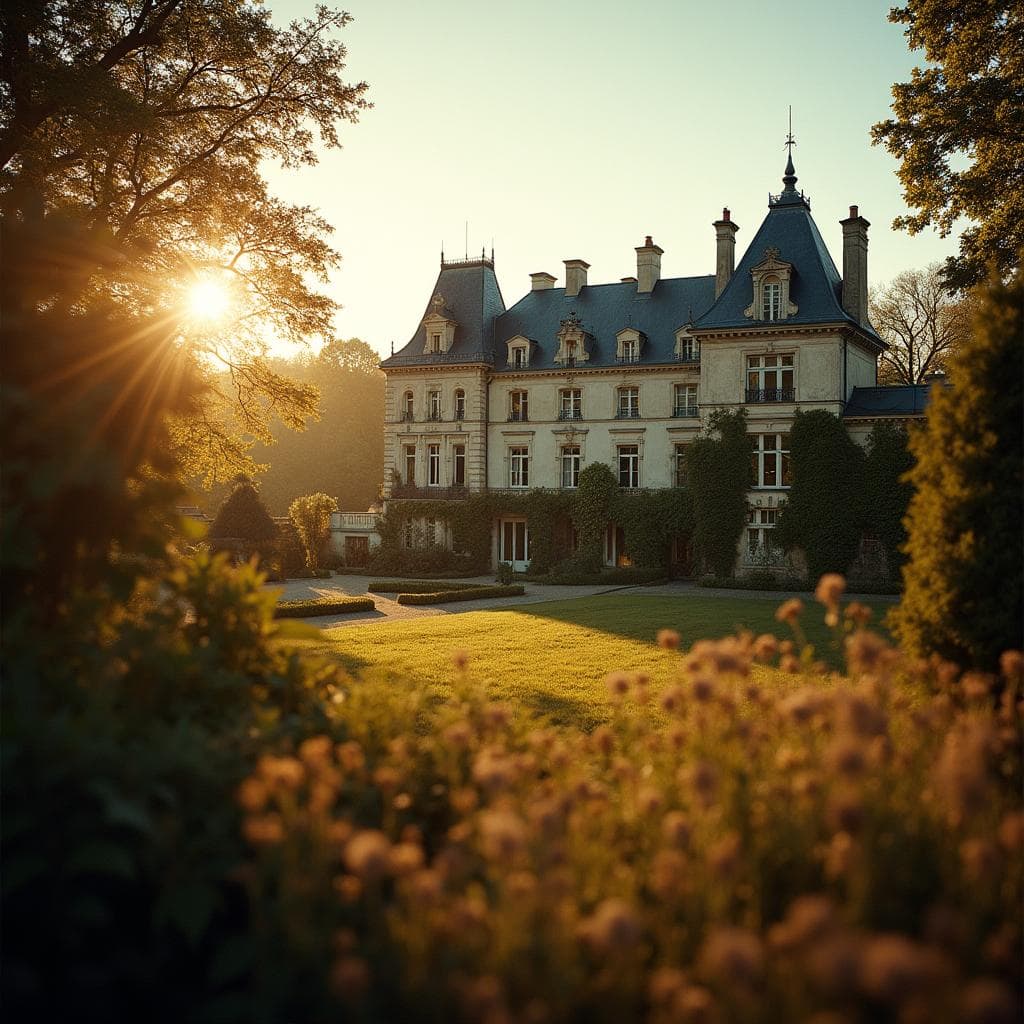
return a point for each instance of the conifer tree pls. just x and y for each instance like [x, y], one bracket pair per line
[963, 580]
[244, 517]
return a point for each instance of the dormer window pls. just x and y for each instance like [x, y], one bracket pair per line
[438, 327]
[771, 299]
[519, 352]
[687, 347]
[628, 343]
[570, 353]
[772, 279]
[573, 342]
[435, 342]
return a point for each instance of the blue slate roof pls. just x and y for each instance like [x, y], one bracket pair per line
[902, 400]
[473, 299]
[603, 311]
[815, 284]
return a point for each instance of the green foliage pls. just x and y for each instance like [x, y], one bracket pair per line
[322, 606]
[887, 490]
[461, 594]
[505, 574]
[565, 575]
[650, 519]
[417, 586]
[591, 512]
[157, 120]
[311, 515]
[244, 518]
[963, 580]
[822, 513]
[718, 471]
[966, 100]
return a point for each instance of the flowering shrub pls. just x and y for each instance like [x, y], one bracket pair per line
[722, 850]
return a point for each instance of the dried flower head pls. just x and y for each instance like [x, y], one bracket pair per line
[368, 855]
[733, 956]
[263, 829]
[1011, 664]
[460, 659]
[618, 684]
[253, 794]
[830, 589]
[503, 834]
[613, 927]
[859, 614]
[893, 968]
[765, 647]
[675, 829]
[790, 611]
[668, 639]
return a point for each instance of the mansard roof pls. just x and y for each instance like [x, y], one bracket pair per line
[603, 311]
[472, 299]
[815, 285]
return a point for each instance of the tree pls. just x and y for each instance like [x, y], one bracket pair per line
[312, 518]
[887, 492]
[959, 130]
[922, 325]
[821, 514]
[243, 517]
[963, 581]
[151, 119]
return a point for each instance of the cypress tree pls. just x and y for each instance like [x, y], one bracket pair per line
[962, 582]
[244, 517]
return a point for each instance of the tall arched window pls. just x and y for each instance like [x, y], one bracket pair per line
[771, 299]
[407, 406]
[460, 404]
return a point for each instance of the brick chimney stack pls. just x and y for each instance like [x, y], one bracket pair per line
[725, 257]
[575, 276]
[855, 266]
[648, 265]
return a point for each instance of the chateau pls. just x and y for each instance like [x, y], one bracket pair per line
[486, 396]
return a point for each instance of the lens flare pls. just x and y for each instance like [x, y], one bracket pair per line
[208, 300]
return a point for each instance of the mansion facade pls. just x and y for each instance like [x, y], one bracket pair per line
[486, 396]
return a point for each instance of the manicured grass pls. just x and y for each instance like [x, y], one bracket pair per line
[553, 657]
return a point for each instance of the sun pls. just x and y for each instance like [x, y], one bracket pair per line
[208, 300]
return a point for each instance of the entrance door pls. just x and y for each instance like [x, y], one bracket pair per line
[514, 543]
[357, 550]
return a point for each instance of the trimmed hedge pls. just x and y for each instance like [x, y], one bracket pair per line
[445, 596]
[417, 587]
[612, 577]
[322, 606]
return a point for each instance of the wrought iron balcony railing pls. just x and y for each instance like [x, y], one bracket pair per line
[518, 417]
[434, 417]
[407, 417]
[770, 395]
[685, 411]
[628, 359]
[570, 414]
[627, 414]
[442, 493]
[688, 357]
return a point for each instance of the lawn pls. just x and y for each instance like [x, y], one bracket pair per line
[553, 657]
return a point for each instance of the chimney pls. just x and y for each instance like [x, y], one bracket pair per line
[575, 276]
[627, 280]
[541, 282]
[855, 266]
[725, 258]
[648, 265]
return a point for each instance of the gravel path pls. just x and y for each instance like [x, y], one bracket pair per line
[387, 609]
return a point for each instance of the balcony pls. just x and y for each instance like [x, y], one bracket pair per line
[627, 414]
[688, 358]
[570, 414]
[434, 416]
[518, 417]
[686, 411]
[349, 521]
[414, 491]
[627, 359]
[770, 395]
[406, 417]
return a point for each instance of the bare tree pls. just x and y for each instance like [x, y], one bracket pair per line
[921, 322]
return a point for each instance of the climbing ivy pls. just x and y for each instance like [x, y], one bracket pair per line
[718, 468]
[591, 512]
[886, 492]
[650, 519]
[823, 513]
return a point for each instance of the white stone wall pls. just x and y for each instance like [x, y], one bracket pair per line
[861, 368]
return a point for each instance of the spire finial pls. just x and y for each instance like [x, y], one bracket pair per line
[789, 177]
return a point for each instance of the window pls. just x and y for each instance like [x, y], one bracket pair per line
[435, 343]
[770, 378]
[519, 406]
[760, 527]
[459, 465]
[460, 404]
[570, 404]
[520, 358]
[679, 467]
[629, 404]
[769, 460]
[571, 465]
[434, 465]
[519, 467]
[685, 400]
[629, 351]
[771, 299]
[570, 353]
[629, 465]
[410, 464]
[407, 406]
[689, 350]
[434, 405]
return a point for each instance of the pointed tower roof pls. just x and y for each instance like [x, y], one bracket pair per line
[815, 285]
[466, 292]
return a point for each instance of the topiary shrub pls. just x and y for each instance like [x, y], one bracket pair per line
[243, 524]
[963, 580]
[718, 468]
[311, 515]
[822, 514]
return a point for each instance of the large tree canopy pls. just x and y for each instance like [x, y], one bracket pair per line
[958, 130]
[150, 120]
[922, 324]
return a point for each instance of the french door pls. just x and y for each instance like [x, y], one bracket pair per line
[514, 543]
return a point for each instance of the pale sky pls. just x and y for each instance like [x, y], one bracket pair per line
[572, 129]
